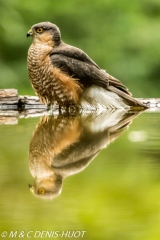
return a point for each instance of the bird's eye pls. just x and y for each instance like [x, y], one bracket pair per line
[39, 30]
[41, 190]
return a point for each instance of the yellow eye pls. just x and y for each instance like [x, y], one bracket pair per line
[39, 30]
[41, 191]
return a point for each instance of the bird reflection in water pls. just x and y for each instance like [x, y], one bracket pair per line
[65, 145]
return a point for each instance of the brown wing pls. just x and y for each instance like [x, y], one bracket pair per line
[73, 52]
[77, 64]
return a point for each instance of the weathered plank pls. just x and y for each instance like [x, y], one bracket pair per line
[150, 102]
[28, 102]
[8, 93]
[9, 117]
[13, 106]
[8, 96]
[9, 99]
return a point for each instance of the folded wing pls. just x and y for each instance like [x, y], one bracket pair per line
[77, 64]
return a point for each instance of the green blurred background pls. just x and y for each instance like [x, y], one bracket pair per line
[117, 197]
[121, 36]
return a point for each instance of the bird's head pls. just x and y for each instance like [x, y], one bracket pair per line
[45, 32]
[47, 188]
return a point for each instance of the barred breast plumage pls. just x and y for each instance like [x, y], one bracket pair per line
[49, 82]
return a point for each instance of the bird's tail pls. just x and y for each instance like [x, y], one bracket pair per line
[119, 88]
[127, 96]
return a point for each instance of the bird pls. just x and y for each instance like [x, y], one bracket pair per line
[66, 75]
[51, 136]
[62, 146]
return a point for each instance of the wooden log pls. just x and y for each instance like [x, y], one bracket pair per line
[9, 100]
[9, 117]
[30, 102]
[8, 96]
[150, 102]
[8, 93]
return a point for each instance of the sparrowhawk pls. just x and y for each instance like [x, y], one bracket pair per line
[62, 146]
[65, 74]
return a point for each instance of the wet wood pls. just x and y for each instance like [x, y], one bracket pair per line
[9, 99]
[9, 117]
[30, 102]
[13, 106]
[8, 96]
[150, 102]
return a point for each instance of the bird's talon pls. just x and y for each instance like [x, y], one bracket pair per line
[48, 107]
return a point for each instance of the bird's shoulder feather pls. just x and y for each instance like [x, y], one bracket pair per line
[74, 62]
[74, 53]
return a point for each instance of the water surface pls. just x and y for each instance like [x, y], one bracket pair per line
[108, 184]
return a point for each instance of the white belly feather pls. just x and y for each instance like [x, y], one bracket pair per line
[99, 98]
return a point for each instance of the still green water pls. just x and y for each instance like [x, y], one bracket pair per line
[108, 184]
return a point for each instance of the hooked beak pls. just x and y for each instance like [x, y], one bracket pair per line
[30, 33]
[31, 188]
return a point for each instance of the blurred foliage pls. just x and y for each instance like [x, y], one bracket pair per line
[121, 36]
